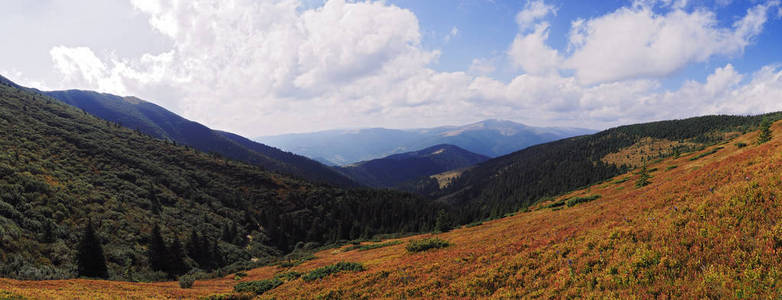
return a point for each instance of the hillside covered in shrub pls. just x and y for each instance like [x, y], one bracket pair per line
[60, 167]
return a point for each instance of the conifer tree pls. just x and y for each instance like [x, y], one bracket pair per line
[643, 180]
[157, 251]
[442, 223]
[176, 259]
[765, 131]
[91, 261]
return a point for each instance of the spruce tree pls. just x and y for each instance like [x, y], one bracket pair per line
[442, 223]
[91, 261]
[643, 180]
[176, 259]
[157, 251]
[765, 131]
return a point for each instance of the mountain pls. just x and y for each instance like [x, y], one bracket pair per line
[62, 168]
[395, 169]
[705, 227]
[522, 178]
[490, 138]
[160, 123]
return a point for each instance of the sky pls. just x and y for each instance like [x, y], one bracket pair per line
[281, 66]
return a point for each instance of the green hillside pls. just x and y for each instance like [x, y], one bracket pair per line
[517, 180]
[60, 167]
[160, 123]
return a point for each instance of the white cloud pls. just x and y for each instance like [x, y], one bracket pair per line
[483, 66]
[531, 53]
[532, 12]
[638, 42]
[451, 34]
[264, 67]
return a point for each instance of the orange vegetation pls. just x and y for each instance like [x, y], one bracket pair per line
[708, 228]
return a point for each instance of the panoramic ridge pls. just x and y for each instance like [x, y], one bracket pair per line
[394, 149]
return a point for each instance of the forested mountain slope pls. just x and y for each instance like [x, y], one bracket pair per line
[60, 167]
[395, 169]
[518, 180]
[705, 226]
[158, 122]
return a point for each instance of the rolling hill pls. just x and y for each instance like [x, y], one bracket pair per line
[520, 179]
[704, 227]
[490, 138]
[62, 168]
[160, 123]
[396, 169]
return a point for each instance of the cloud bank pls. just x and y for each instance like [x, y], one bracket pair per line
[264, 67]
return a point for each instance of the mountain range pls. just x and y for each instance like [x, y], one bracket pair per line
[396, 169]
[161, 123]
[490, 138]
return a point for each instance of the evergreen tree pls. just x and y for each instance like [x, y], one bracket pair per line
[157, 251]
[195, 249]
[765, 131]
[91, 261]
[443, 222]
[643, 180]
[176, 259]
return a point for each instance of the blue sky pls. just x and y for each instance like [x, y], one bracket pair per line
[281, 66]
[486, 28]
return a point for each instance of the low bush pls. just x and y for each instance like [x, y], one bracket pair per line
[186, 281]
[473, 224]
[426, 244]
[710, 152]
[577, 200]
[257, 287]
[342, 266]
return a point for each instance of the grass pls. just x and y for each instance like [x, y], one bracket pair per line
[323, 272]
[704, 154]
[619, 181]
[426, 244]
[257, 287]
[371, 246]
[671, 167]
[672, 240]
[578, 200]
[474, 224]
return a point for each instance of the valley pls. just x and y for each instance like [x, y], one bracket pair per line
[650, 241]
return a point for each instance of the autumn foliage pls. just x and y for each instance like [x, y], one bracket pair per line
[706, 228]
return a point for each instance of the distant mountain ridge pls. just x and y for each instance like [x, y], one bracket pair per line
[490, 138]
[396, 169]
[161, 123]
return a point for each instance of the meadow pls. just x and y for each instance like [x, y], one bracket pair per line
[706, 228]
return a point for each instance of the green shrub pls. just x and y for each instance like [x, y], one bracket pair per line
[577, 200]
[378, 245]
[258, 287]
[342, 266]
[288, 276]
[235, 296]
[710, 152]
[473, 224]
[671, 167]
[186, 281]
[426, 244]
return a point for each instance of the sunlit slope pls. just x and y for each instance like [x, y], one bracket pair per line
[705, 228]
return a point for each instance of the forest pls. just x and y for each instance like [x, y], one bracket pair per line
[62, 168]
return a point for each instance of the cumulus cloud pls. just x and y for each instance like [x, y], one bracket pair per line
[635, 42]
[263, 67]
[530, 52]
[532, 12]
